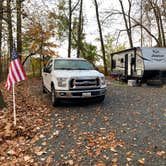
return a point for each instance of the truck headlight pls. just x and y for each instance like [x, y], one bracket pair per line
[102, 80]
[62, 82]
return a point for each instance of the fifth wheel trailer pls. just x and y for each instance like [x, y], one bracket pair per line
[138, 63]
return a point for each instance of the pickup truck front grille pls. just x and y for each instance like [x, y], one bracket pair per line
[81, 84]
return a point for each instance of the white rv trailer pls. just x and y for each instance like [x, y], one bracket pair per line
[139, 63]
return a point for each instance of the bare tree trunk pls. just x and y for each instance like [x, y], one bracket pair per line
[79, 30]
[2, 103]
[19, 32]
[164, 7]
[161, 27]
[154, 7]
[129, 20]
[70, 30]
[158, 26]
[163, 33]
[128, 27]
[101, 37]
[141, 20]
[10, 31]
[1, 16]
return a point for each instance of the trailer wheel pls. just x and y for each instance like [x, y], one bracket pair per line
[154, 82]
[138, 82]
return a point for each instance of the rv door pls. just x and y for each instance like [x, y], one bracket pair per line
[128, 68]
[129, 65]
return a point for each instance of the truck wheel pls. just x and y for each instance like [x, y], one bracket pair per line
[44, 88]
[53, 97]
[101, 98]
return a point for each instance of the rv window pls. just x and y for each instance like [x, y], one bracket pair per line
[122, 60]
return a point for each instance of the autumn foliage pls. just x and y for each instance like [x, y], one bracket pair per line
[39, 40]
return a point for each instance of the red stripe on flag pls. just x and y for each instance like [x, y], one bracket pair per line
[17, 70]
[12, 73]
[20, 70]
[9, 83]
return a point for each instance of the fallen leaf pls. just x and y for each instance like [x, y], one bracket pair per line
[114, 160]
[11, 152]
[34, 140]
[129, 159]
[27, 158]
[56, 133]
[41, 136]
[129, 153]
[100, 164]
[113, 149]
[160, 153]
[39, 153]
[106, 157]
[44, 143]
[70, 162]
[48, 161]
[141, 161]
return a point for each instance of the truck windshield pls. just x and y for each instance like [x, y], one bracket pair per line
[62, 64]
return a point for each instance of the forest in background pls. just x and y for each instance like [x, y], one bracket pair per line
[39, 27]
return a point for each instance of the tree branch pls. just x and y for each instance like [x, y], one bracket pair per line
[31, 54]
[138, 24]
[75, 6]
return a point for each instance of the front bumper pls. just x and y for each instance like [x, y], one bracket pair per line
[81, 93]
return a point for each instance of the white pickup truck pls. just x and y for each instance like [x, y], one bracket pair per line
[72, 78]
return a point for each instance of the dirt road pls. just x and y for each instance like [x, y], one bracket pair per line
[127, 129]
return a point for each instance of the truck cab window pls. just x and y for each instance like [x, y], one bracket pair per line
[49, 66]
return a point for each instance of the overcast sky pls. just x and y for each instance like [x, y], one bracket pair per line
[90, 27]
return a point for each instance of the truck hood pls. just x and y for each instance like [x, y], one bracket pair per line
[77, 73]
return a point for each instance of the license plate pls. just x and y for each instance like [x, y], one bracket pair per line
[86, 94]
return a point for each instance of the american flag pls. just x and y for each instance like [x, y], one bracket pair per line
[16, 70]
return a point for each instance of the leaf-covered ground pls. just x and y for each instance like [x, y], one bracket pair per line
[128, 128]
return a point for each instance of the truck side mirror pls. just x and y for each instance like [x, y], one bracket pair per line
[96, 68]
[44, 69]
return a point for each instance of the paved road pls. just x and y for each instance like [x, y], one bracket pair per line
[128, 128]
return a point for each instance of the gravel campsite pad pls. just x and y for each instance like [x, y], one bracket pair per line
[128, 128]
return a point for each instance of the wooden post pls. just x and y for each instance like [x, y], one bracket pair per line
[14, 105]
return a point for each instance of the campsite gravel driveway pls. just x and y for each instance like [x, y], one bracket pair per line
[133, 119]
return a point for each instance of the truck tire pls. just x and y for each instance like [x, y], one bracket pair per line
[53, 97]
[154, 82]
[44, 88]
[101, 98]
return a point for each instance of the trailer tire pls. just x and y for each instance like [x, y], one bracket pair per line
[154, 82]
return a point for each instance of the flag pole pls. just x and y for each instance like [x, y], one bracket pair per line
[14, 105]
